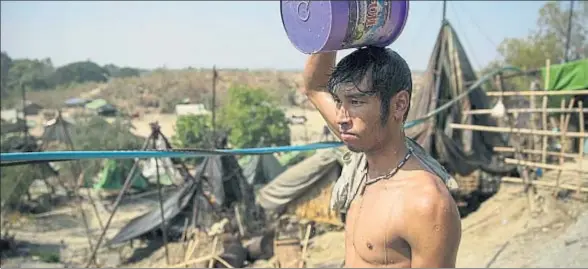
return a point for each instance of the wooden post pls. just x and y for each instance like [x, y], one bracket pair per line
[544, 113]
[213, 252]
[214, 77]
[581, 148]
[517, 144]
[155, 136]
[125, 187]
[239, 221]
[305, 246]
[537, 93]
[534, 141]
[564, 122]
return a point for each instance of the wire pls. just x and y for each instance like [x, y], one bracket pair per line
[7, 158]
[480, 30]
[469, 45]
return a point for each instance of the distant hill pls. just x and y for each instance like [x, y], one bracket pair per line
[160, 90]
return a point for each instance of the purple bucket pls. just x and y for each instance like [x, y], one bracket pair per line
[319, 26]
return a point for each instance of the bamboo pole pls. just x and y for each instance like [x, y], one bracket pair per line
[156, 133]
[534, 141]
[544, 113]
[581, 148]
[563, 138]
[239, 221]
[517, 144]
[532, 151]
[121, 193]
[536, 93]
[542, 165]
[526, 110]
[578, 188]
[494, 129]
[214, 243]
[305, 245]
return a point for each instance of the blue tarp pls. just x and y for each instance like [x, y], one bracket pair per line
[76, 102]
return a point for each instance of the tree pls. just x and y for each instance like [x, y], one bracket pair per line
[118, 72]
[549, 39]
[254, 119]
[193, 131]
[5, 65]
[80, 72]
[250, 118]
[33, 74]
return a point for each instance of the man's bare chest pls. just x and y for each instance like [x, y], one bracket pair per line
[372, 232]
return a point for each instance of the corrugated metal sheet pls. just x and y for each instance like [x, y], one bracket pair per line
[191, 109]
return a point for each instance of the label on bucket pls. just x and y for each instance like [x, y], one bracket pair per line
[367, 22]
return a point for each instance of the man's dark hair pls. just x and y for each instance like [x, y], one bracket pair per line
[389, 74]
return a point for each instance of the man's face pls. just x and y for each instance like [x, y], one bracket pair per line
[359, 118]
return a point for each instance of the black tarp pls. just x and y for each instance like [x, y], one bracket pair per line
[449, 74]
[222, 185]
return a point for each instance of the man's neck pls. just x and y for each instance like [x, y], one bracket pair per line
[386, 158]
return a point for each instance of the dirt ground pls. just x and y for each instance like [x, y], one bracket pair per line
[501, 233]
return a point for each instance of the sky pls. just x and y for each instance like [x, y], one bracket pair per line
[230, 34]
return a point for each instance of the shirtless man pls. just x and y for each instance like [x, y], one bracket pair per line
[400, 212]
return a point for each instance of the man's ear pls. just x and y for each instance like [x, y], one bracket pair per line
[400, 103]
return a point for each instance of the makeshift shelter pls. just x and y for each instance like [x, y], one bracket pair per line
[225, 185]
[18, 126]
[568, 76]
[260, 169]
[168, 173]
[95, 104]
[102, 107]
[305, 188]
[16, 180]
[55, 130]
[449, 74]
[114, 174]
[32, 108]
[76, 102]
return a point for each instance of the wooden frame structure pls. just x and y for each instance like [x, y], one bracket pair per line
[534, 158]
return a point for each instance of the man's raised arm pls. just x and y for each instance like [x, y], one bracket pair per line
[317, 72]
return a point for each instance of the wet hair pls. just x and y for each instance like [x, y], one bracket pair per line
[388, 75]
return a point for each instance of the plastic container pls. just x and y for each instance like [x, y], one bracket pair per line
[320, 26]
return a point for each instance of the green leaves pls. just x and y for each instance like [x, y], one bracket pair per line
[254, 119]
[250, 116]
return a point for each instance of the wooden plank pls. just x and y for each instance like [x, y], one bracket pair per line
[532, 151]
[536, 93]
[526, 110]
[495, 129]
[543, 165]
[544, 184]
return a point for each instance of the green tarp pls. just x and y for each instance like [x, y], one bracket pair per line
[96, 104]
[567, 77]
[114, 174]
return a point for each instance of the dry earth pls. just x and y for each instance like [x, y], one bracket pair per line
[502, 233]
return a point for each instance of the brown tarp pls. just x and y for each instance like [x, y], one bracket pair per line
[449, 74]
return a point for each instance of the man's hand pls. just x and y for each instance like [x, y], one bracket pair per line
[317, 71]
